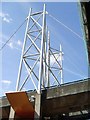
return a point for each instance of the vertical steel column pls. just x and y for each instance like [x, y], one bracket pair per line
[44, 59]
[48, 61]
[12, 112]
[45, 74]
[61, 64]
[21, 61]
[41, 72]
[42, 50]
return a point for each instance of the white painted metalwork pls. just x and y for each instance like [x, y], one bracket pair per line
[48, 61]
[61, 63]
[37, 55]
[21, 61]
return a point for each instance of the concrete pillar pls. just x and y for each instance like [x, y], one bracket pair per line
[12, 114]
[37, 114]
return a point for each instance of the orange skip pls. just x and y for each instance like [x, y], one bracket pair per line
[21, 104]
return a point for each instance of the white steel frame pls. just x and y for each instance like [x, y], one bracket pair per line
[43, 55]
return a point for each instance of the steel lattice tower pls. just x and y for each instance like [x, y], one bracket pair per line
[36, 52]
[36, 57]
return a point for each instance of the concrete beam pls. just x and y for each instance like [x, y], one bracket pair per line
[69, 89]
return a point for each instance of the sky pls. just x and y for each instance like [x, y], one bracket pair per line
[75, 65]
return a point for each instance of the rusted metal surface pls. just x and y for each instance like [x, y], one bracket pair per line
[21, 104]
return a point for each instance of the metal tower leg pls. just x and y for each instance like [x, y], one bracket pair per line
[42, 51]
[12, 112]
[41, 72]
[48, 61]
[61, 54]
[21, 61]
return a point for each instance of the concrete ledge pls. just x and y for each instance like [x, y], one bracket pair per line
[69, 89]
